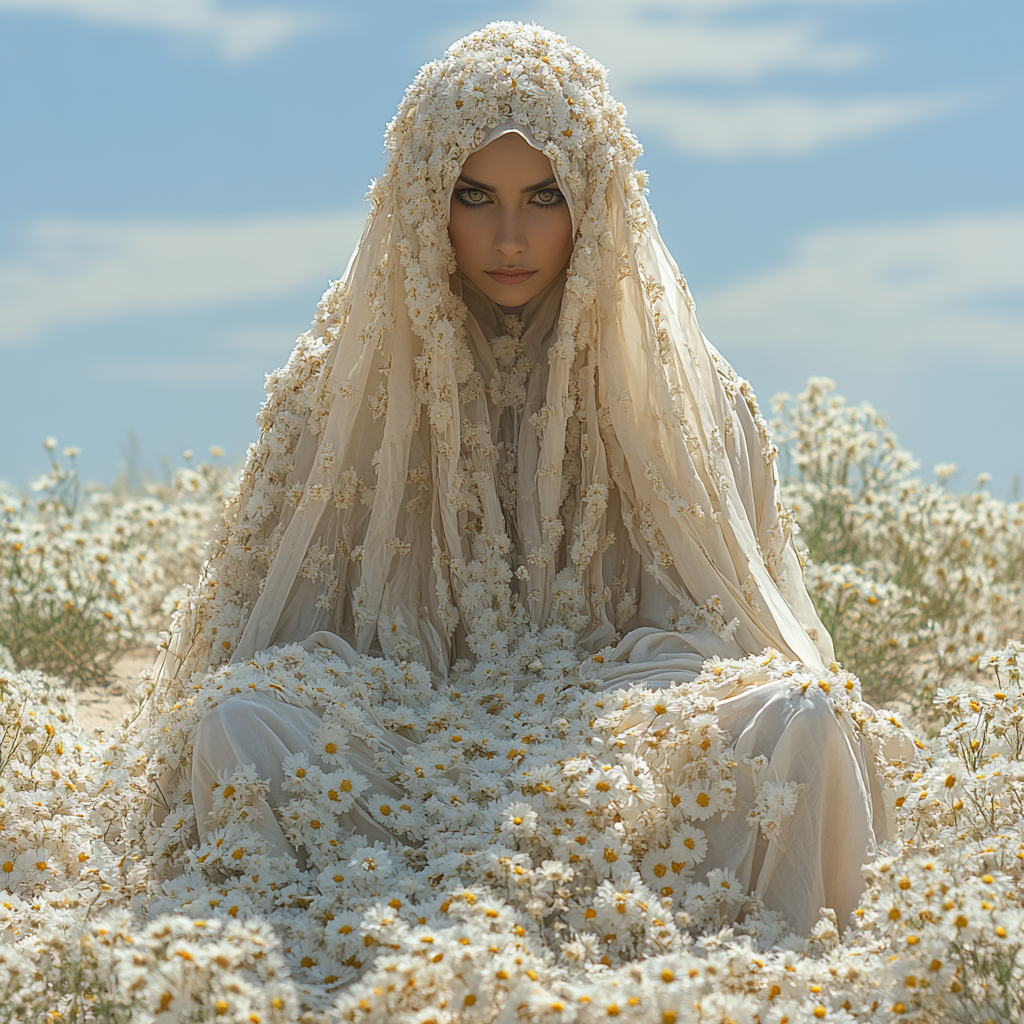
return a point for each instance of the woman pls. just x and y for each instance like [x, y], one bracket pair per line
[506, 422]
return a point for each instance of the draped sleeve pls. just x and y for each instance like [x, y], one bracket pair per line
[755, 468]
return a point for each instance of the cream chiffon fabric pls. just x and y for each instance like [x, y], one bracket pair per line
[814, 863]
[434, 480]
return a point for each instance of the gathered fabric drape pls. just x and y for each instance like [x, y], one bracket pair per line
[376, 504]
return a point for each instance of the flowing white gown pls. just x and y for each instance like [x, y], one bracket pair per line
[435, 479]
[814, 863]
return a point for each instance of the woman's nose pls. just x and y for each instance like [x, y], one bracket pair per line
[510, 239]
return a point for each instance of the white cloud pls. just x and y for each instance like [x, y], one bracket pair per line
[645, 42]
[720, 6]
[657, 50]
[211, 371]
[240, 355]
[80, 270]
[892, 293]
[237, 33]
[774, 125]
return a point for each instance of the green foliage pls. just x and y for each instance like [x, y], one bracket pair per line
[914, 583]
[84, 571]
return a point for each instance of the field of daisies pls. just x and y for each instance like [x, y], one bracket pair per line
[552, 832]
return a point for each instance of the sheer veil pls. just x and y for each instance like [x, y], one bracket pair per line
[435, 477]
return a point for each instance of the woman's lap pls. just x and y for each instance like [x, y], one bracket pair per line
[815, 861]
[257, 729]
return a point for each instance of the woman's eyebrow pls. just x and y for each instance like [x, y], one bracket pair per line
[540, 184]
[490, 188]
[477, 184]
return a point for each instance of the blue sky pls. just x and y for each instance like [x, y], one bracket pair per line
[840, 180]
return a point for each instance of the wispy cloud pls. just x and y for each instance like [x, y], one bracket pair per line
[73, 271]
[237, 33]
[723, 6]
[217, 357]
[890, 292]
[649, 42]
[657, 51]
[213, 370]
[775, 125]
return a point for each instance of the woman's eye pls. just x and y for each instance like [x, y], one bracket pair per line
[548, 197]
[473, 196]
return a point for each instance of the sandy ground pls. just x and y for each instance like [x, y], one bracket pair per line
[103, 707]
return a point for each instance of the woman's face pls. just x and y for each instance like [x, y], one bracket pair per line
[509, 223]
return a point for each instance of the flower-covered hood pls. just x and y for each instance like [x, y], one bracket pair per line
[434, 478]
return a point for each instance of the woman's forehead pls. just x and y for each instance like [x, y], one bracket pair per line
[506, 159]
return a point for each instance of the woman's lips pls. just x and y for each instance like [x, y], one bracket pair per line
[510, 276]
